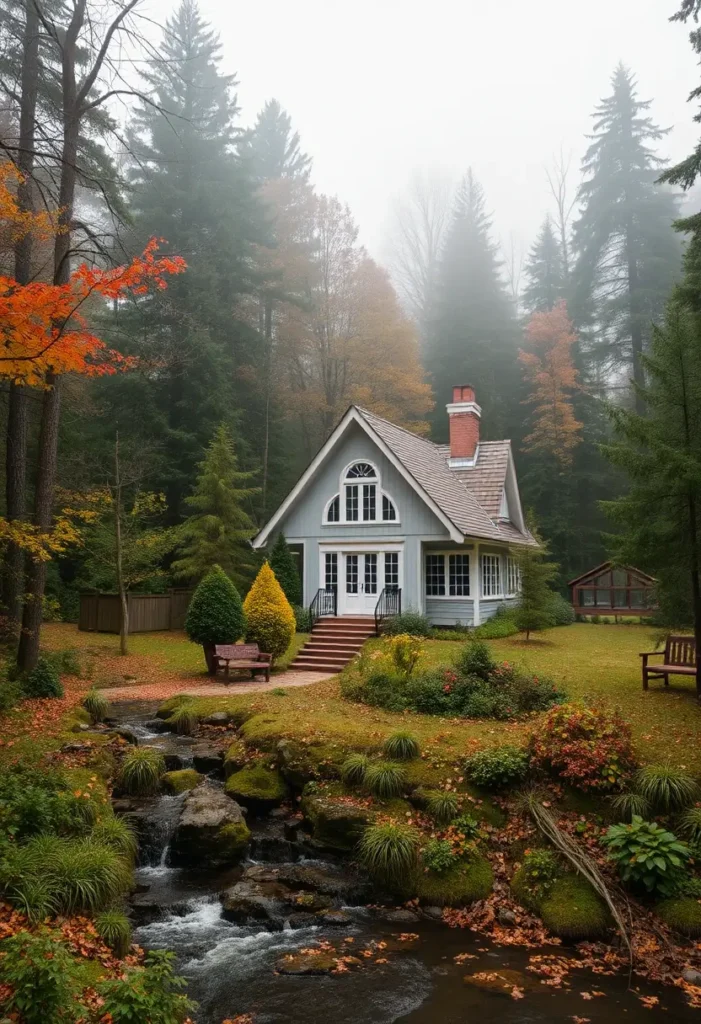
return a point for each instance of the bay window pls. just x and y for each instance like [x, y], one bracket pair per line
[491, 576]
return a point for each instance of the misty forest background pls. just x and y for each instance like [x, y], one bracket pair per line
[282, 319]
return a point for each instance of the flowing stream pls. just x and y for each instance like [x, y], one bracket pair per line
[230, 968]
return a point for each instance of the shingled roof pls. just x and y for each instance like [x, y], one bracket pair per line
[469, 497]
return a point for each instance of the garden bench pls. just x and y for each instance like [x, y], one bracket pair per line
[679, 659]
[242, 656]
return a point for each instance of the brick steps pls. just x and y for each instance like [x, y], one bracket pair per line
[333, 643]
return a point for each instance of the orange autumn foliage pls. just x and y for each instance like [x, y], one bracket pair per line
[549, 370]
[42, 328]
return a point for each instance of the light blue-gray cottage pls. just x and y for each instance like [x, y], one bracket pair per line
[381, 512]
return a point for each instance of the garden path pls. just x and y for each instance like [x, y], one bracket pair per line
[171, 687]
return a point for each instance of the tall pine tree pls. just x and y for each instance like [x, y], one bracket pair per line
[274, 149]
[473, 332]
[628, 255]
[545, 272]
[197, 349]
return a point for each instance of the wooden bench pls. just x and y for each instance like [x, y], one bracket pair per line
[679, 659]
[242, 657]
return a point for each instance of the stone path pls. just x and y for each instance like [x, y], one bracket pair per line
[170, 687]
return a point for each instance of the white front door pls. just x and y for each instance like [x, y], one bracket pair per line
[361, 582]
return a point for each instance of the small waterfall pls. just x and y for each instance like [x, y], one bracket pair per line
[156, 825]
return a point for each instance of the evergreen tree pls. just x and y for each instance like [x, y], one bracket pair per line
[660, 516]
[215, 615]
[270, 621]
[628, 256]
[219, 530]
[274, 149]
[534, 611]
[545, 272]
[192, 188]
[473, 333]
[284, 566]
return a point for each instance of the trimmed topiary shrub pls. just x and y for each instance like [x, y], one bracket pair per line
[682, 913]
[498, 767]
[385, 779]
[215, 614]
[269, 615]
[390, 850]
[141, 771]
[96, 705]
[283, 564]
[43, 681]
[115, 931]
[411, 623]
[401, 746]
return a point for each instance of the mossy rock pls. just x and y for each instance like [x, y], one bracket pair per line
[337, 823]
[232, 840]
[181, 781]
[467, 882]
[683, 914]
[263, 731]
[479, 807]
[522, 892]
[257, 787]
[169, 706]
[237, 757]
[301, 762]
[572, 909]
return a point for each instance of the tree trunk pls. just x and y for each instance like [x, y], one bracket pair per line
[636, 327]
[117, 504]
[16, 444]
[28, 652]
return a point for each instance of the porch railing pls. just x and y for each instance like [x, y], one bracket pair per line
[388, 605]
[324, 603]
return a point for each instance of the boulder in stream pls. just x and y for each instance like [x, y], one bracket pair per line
[207, 759]
[257, 787]
[337, 821]
[181, 781]
[211, 830]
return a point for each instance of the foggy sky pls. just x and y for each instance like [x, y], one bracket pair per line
[379, 88]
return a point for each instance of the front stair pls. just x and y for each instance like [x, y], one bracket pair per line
[333, 642]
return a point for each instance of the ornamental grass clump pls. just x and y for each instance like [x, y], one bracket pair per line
[354, 769]
[626, 805]
[141, 771]
[390, 850]
[269, 616]
[589, 747]
[401, 746]
[690, 826]
[115, 931]
[442, 807]
[96, 705]
[385, 779]
[184, 720]
[648, 857]
[118, 835]
[666, 788]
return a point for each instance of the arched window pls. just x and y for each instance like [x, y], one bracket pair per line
[361, 498]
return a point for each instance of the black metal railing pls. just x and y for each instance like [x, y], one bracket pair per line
[325, 603]
[388, 605]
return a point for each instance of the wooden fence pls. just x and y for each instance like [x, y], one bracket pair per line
[102, 613]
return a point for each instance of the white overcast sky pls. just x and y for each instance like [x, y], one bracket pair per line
[380, 88]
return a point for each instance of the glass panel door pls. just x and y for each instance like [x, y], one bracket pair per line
[370, 580]
[352, 574]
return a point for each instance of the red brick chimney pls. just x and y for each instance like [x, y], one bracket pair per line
[464, 416]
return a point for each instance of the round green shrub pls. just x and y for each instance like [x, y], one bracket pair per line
[475, 659]
[438, 856]
[354, 769]
[665, 787]
[385, 779]
[561, 611]
[115, 931]
[401, 746]
[96, 705]
[573, 910]
[390, 850]
[215, 614]
[498, 767]
[683, 914]
[141, 771]
[43, 681]
[442, 806]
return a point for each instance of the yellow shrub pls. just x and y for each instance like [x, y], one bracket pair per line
[271, 621]
[404, 652]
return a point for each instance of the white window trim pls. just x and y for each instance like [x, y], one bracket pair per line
[517, 574]
[501, 596]
[358, 482]
[446, 597]
[359, 547]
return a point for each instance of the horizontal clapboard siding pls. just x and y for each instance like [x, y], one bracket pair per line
[450, 613]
